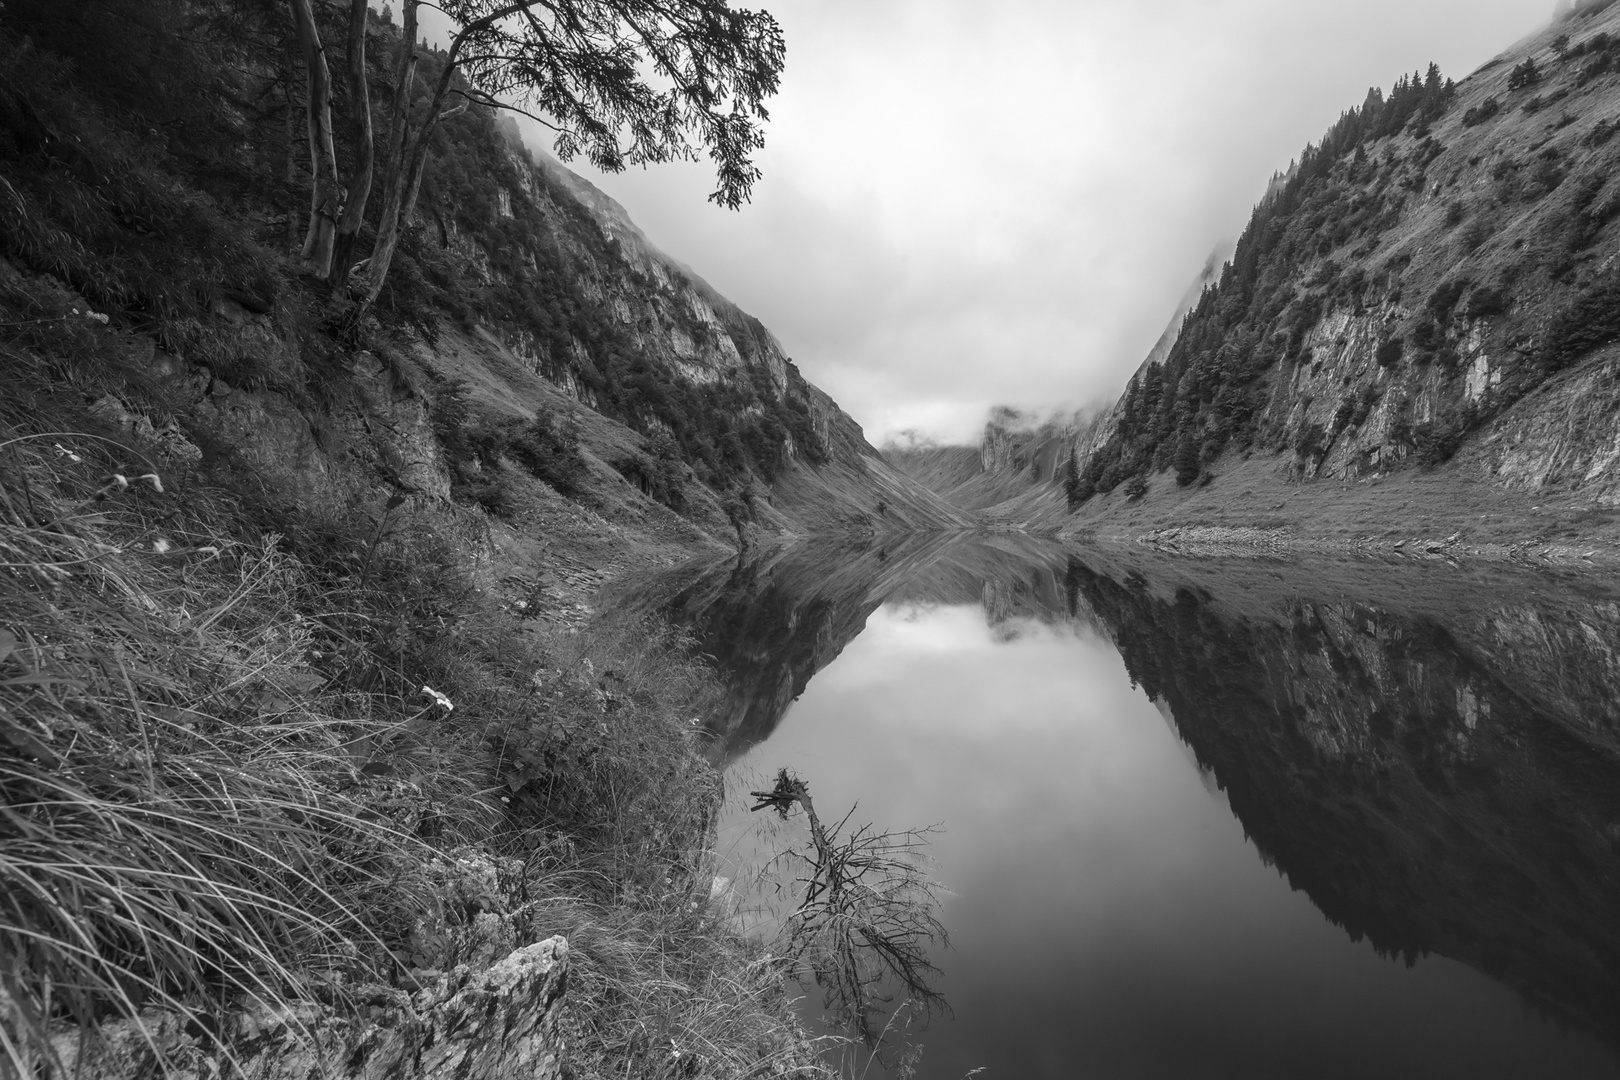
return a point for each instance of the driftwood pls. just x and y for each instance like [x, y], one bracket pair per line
[867, 919]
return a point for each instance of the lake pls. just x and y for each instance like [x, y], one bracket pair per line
[1205, 818]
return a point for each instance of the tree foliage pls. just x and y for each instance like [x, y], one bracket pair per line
[625, 82]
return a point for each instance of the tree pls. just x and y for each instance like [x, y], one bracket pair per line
[1186, 462]
[1076, 488]
[337, 210]
[625, 82]
[1525, 74]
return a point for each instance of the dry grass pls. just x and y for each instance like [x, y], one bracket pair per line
[222, 780]
[188, 820]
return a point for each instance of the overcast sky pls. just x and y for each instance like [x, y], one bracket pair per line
[968, 203]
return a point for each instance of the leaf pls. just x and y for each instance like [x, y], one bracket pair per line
[395, 503]
[8, 643]
[28, 743]
[375, 768]
[43, 678]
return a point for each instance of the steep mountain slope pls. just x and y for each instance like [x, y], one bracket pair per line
[520, 296]
[1432, 287]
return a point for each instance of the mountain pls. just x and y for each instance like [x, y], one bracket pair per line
[1432, 287]
[770, 621]
[529, 331]
[293, 522]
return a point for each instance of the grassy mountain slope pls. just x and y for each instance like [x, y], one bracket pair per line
[1430, 288]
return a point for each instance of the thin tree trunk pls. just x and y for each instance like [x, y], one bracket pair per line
[408, 150]
[354, 207]
[394, 156]
[288, 73]
[325, 192]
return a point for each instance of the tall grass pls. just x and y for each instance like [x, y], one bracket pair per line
[223, 782]
[187, 819]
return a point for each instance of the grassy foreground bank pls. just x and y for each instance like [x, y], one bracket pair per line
[251, 754]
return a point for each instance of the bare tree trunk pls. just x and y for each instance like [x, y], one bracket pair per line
[354, 207]
[325, 192]
[408, 150]
[288, 72]
[394, 156]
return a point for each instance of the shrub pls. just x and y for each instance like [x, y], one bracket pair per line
[1437, 442]
[1186, 460]
[1485, 303]
[1311, 439]
[1547, 173]
[548, 446]
[659, 473]
[1445, 297]
[1472, 238]
[1389, 352]
[1135, 488]
[1426, 336]
[1525, 74]
[1364, 404]
[1601, 132]
[1482, 112]
[1590, 321]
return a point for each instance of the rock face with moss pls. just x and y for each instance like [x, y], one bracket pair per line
[1429, 287]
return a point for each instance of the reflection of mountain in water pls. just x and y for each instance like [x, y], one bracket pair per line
[1434, 759]
[772, 622]
[1436, 767]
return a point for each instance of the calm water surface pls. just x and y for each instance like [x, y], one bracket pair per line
[1251, 822]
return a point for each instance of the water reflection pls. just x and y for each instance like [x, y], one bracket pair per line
[1429, 757]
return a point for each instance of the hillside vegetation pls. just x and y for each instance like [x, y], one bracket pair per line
[307, 718]
[1440, 256]
[1413, 344]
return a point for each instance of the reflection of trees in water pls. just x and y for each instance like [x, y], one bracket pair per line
[1412, 785]
[1439, 777]
[771, 623]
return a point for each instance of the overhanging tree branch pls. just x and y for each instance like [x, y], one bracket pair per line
[582, 64]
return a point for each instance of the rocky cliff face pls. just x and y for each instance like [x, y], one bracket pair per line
[1430, 287]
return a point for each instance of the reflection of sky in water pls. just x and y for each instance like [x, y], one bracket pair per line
[1108, 918]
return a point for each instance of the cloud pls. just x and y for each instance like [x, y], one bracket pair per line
[967, 204]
